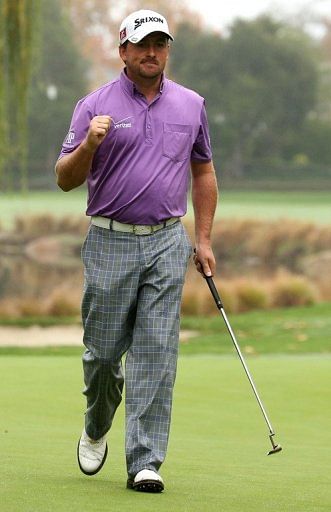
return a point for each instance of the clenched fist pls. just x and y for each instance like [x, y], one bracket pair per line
[98, 129]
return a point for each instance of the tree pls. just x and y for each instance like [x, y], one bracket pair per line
[18, 22]
[58, 82]
[323, 110]
[259, 83]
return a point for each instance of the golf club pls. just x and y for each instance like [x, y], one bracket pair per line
[275, 447]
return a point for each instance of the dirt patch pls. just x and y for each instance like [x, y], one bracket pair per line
[36, 336]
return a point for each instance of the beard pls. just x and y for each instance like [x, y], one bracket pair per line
[150, 69]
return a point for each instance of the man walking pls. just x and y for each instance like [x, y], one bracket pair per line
[135, 140]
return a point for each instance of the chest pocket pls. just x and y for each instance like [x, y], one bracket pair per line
[177, 142]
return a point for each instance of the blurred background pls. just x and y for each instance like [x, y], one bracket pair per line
[266, 78]
[264, 69]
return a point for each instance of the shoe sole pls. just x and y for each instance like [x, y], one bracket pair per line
[129, 483]
[91, 473]
[153, 486]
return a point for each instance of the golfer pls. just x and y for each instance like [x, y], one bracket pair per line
[135, 141]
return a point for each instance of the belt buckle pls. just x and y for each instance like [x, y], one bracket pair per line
[142, 230]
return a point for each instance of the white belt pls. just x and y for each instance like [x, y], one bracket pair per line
[136, 229]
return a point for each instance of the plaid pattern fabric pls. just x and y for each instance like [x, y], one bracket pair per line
[131, 304]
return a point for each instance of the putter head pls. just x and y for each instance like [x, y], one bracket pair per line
[275, 449]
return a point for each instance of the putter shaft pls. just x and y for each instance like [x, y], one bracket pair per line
[275, 447]
[247, 372]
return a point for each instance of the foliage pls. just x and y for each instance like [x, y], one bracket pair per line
[262, 83]
[59, 81]
[255, 293]
[41, 77]
[251, 295]
[290, 291]
[312, 141]
[34, 226]
[3, 118]
[18, 23]
[272, 244]
[284, 264]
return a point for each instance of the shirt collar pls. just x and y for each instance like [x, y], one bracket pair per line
[130, 86]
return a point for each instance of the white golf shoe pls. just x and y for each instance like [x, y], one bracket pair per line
[91, 454]
[146, 481]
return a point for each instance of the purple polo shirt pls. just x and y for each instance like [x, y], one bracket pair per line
[140, 172]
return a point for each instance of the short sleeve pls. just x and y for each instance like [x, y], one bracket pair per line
[79, 126]
[201, 151]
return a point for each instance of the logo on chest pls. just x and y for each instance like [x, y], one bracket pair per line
[125, 123]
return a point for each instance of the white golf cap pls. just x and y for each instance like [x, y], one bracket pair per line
[141, 23]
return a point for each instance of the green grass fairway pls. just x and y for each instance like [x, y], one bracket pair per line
[217, 455]
[265, 205]
[271, 205]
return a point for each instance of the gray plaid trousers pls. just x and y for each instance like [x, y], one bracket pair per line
[131, 304]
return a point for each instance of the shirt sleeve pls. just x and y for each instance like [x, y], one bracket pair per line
[79, 126]
[201, 150]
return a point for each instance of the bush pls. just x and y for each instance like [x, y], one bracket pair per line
[250, 295]
[31, 307]
[288, 291]
[282, 243]
[190, 301]
[227, 294]
[284, 290]
[197, 299]
[22, 307]
[318, 269]
[8, 309]
[63, 302]
[266, 244]
[35, 226]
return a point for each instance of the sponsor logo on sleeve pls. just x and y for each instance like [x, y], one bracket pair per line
[69, 138]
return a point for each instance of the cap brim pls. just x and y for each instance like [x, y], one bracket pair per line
[138, 37]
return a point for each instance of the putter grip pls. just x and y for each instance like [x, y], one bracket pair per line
[214, 292]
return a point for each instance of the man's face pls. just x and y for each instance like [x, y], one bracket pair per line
[146, 59]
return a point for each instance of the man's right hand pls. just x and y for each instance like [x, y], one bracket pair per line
[98, 129]
[72, 169]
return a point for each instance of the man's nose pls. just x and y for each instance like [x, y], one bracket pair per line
[151, 49]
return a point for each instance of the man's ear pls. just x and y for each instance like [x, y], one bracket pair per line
[122, 53]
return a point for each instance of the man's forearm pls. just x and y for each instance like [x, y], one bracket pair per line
[204, 198]
[73, 168]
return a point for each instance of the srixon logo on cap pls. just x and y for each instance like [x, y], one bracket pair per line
[139, 21]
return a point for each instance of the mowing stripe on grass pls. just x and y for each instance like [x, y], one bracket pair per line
[217, 455]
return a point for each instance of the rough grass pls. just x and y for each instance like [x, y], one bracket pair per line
[282, 331]
[217, 454]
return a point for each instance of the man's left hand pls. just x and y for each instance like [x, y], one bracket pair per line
[204, 259]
